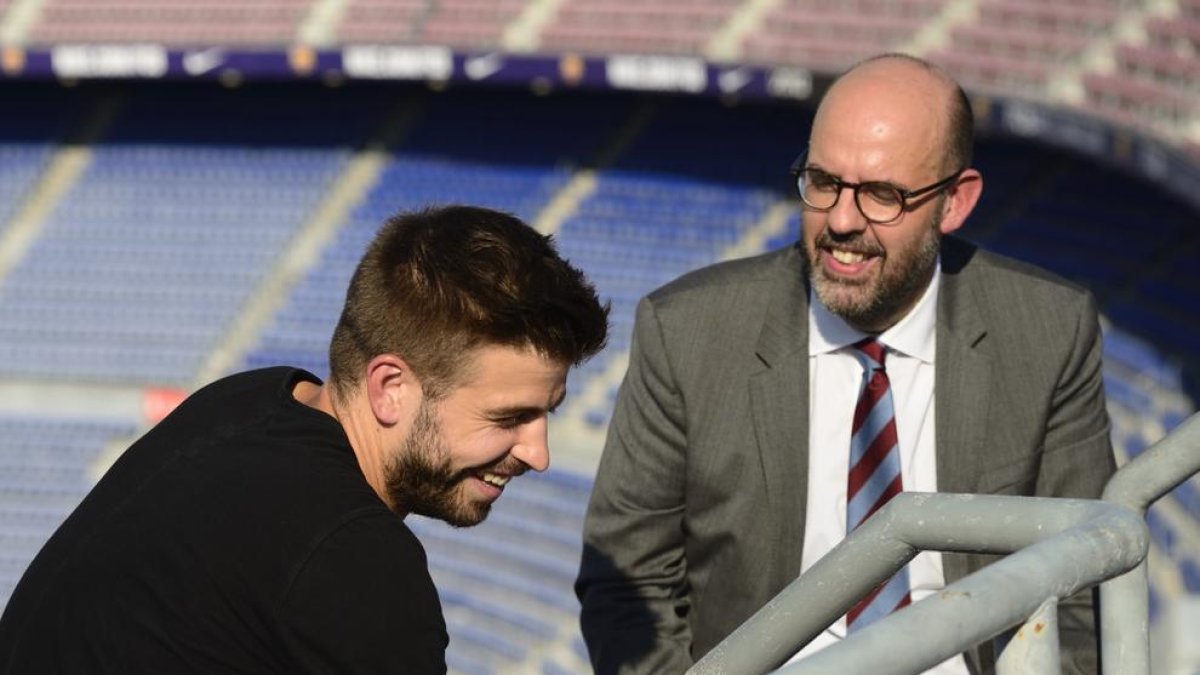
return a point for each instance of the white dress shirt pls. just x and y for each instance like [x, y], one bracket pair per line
[834, 375]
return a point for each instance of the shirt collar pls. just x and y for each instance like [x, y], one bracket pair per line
[913, 335]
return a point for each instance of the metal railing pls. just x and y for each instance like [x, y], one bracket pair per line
[1058, 547]
[1125, 601]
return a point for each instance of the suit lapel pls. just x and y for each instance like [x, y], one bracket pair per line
[963, 374]
[779, 400]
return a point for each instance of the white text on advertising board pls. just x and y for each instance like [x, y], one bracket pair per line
[656, 73]
[398, 62]
[790, 83]
[71, 61]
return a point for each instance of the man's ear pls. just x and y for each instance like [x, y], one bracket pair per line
[392, 389]
[961, 200]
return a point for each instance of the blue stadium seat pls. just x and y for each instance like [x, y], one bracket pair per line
[45, 465]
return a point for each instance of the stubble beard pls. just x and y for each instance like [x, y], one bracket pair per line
[420, 479]
[875, 304]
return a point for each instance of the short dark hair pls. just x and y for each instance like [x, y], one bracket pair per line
[437, 283]
[960, 121]
[960, 141]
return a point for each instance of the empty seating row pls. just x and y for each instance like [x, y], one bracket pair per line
[1018, 43]
[150, 255]
[464, 149]
[1146, 103]
[917, 9]
[35, 120]
[263, 22]
[1164, 65]
[506, 584]
[45, 470]
[677, 26]
[1181, 33]
[462, 23]
[831, 38]
[1090, 18]
[642, 39]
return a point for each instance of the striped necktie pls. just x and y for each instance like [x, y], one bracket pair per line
[874, 474]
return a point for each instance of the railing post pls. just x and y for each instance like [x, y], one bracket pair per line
[1032, 649]
[1062, 546]
[1124, 601]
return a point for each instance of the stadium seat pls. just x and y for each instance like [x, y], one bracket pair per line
[45, 470]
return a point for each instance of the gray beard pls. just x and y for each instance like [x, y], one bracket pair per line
[892, 294]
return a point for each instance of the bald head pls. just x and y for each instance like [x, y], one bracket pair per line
[911, 97]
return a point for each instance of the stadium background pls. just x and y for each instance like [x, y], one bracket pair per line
[184, 188]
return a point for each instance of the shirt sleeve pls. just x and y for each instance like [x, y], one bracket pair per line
[363, 603]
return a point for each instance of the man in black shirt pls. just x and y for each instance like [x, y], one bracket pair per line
[259, 528]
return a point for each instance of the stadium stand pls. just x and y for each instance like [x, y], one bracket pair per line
[387, 20]
[464, 23]
[44, 473]
[1015, 45]
[35, 119]
[832, 37]
[173, 22]
[457, 155]
[149, 256]
[672, 196]
[675, 200]
[672, 26]
[506, 584]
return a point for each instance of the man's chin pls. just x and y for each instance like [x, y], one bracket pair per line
[848, 300]
[456, 512]
[466, 516]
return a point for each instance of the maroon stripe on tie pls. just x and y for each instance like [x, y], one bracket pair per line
[872, 458]
[894, 488]
[861, 605]
[876, 387]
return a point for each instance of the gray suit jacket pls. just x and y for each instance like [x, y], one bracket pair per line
[697, 515]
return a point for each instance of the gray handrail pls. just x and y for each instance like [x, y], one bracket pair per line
[1062, 546]
[1033, 648]
[1124, 601]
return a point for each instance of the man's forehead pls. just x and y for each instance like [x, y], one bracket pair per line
[504, 367]
[882, 117]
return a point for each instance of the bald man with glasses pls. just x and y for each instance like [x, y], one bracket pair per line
[759, 389]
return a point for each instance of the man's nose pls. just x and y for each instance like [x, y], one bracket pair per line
[845, 216]
[533, 446]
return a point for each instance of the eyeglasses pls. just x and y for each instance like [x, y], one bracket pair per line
[879, 202]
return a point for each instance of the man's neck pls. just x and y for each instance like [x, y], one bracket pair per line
[363, 434]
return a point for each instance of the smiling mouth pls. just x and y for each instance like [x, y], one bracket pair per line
[847, 257]
[493, 479]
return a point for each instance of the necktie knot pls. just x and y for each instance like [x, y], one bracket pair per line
[870, 353]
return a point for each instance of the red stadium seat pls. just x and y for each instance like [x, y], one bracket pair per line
[267, 22]
[1001, 73]
[1087, 18]
[1021, 44]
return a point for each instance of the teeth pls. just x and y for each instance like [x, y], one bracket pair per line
[493, 479]
[848, 257]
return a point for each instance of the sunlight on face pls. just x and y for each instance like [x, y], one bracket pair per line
[463, 449]
[876, 126]
[873, 302]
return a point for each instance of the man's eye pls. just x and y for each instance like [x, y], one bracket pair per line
[515, 421]
[816, 180]
[881, 193]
